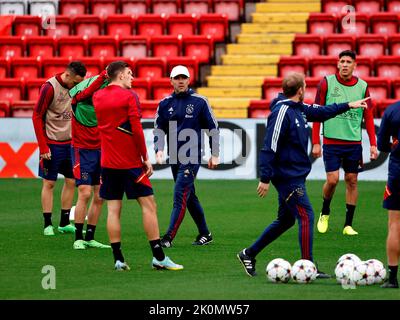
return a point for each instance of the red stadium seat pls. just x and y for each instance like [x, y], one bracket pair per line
[271, 87]
[134, 46]
[191, 63]
[93, 65]
[6, 24]
[161, 88]
[63, 27]
[396, 88]
[361, 25]
[150, 68]
[197, 6]
[393, 6]
[11, 46]
[27, 26]
[166, 46]
[103, 46]
[11, 89]
[104, 8]
[387, 67]
[394, 44]
[381, 106]
[371, 45]
[199, 47]
[364, 67]
[369, 6]
[379, 88]
[142, 87]
[322, 66]
[307, 45]
[335, 6]
[232, 8]
[288, 64]
[87, 25]
[22, 109]
[119, 25]
[336, 43]
[184, 24]
[322, 23]
[41, 46]
[148, 108]
[28, 68]
[129, 60]
[73, 7]
[258, 109]
[311, 90]
[4, 109]
[166, 6]
[135, 7]
[5, 68]
[150, 25]
[32, 88]
[215, 25]
[52, 66]
[73, 46]
[384, 23]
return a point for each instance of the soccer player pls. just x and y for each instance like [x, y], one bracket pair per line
[86, 160]
[52, 123]
[390, 130]
[284, 162]
[342, 138]
[125, 164]
[182, 116]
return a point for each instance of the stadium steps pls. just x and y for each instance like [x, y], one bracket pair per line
[228, 103]
[274, 27]
[230, 92]
[244, 70]
[287, 6]
[269, 38]
[250, 60]
[238, 81]
[244, 49]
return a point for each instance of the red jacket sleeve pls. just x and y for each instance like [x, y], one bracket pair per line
[134, 116]
[320, 99]
[89, 91]
[38, 117]
[369, 121]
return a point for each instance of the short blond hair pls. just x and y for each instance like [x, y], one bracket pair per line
[291, 83]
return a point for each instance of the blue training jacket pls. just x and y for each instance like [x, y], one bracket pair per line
[179, 112]
[284, 156]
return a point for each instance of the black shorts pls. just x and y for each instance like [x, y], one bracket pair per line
[60, 163]
[347, 156]
[391, 196]
[133, 182]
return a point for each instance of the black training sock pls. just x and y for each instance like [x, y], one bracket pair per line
[349, 214]
[116, 248]
[64, 220]
[90, 229]
[326, 210]
[157, 250]
[393, 274]
[78, 231]
[47, 219]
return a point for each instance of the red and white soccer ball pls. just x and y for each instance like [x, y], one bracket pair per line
[363, 274]
[349, 256]
[278, 270]
[379, 268]
[343, 271]
[304, 271]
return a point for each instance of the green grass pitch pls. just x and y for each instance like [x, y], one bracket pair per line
[235, 215]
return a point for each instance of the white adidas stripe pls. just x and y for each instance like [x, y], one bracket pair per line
[278, 125]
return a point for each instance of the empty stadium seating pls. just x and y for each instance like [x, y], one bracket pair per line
[11, 89]
[307, 45]
[336, 43]
[289, 64]
[22, 109]
[28, 68]
[4, 108]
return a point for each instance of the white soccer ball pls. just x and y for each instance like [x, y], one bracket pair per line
[349, 256]
[343, 271]
[278, 270]
[303, 271]
[363, 274]
[379, 268]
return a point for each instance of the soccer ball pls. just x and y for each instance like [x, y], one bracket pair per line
[278, 270]
[363, 274]
[343, 270]
[303, 271]
[349, 256]
[380, 271]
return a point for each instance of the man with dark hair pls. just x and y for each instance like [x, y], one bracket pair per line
[284, 161]
[388, 141]
[342, 138]
[52, 123]
[125, 165]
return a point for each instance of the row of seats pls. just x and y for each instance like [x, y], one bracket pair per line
[385, 23]
[215, 25]
[370, 45]
[234, 9]
[199, 47]
[364, 6]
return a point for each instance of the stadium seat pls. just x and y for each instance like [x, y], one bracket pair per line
[311, 89]
[166, 7]
[11, 89]
[93, 65]
[322, 23]
[369, 6]
[271, 87]
[379, 88]
[52, 66]
[119, 25]
[161, 88]
[12, 47]
[4, 109]
[27, 26]
[393, 6]
[72, 46]
[360, 27]
[142, 87]
[258, 109]
[232, 8]
[148, 108]
[130, 60]
[199, 47]
[196, 6]
[322, 66]
[380, 106]
[73, 7]
[334, 6]
[215, 25]
[152, 68]
[5, 68]
[22, 109]
[103, 46]
[13, 7]
[43, 7]
[385, 23]
[63, 27]
[32, 88]
[6, 24]
[387, 67]
[191, 63]
[288, 64]
[371, 45]
[41, 46]
[28, 68]
[364, 67]
[184, 24]
[336, 43]
[87, 25]
[396, 88]
[104, 8]
[135, 7]
[307, 45]
[394, 44]
[150, 25]
[166, 46]
[134, 46]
